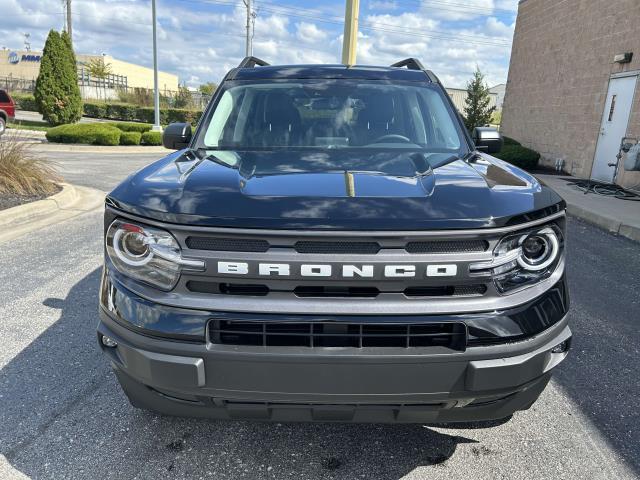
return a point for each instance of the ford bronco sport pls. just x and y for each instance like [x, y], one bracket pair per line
[331, 244]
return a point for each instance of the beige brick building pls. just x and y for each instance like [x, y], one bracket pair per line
[567, 95]
[26, 65]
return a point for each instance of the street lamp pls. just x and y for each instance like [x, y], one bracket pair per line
[156, 94]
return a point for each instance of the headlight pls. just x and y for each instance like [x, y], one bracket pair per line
[524, 258]
[147, 254]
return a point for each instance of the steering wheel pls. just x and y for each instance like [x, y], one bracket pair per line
[392, 138]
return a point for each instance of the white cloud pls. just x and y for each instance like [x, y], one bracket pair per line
[309, 32]
[383, 5]
[201, 42]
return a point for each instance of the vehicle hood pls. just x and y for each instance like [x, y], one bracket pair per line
[336, 189]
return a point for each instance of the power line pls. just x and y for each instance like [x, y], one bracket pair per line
[395, 29]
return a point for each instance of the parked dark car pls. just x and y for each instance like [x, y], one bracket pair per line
[7, 110]
[331, 245]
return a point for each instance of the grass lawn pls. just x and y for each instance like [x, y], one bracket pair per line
[29, 125]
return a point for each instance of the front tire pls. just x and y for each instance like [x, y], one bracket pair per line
[3, 125]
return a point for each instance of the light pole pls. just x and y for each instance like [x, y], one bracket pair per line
[156, 93]
[350, 32]
[249, 39]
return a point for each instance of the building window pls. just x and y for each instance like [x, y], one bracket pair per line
[613, 107]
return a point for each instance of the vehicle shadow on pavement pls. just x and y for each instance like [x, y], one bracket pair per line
[64, 416]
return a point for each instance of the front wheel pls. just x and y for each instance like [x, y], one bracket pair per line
[3, 125]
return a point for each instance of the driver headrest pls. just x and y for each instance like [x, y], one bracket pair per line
[280, 110]
[378, 111]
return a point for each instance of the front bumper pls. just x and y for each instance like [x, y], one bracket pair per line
[290, 384]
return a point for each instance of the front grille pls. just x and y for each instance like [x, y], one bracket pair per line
[336, 291]
[460, 246]
[227, 244]
[448, 335]
[337, 247]
[333, 291]
[224, 244]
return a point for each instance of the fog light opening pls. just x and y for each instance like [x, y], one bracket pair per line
[109, 342]
[561, 347]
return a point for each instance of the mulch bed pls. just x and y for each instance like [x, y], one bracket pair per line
[8, 200]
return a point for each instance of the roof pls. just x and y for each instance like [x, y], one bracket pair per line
[250, 69]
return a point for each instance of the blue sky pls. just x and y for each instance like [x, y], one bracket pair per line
[201, 39]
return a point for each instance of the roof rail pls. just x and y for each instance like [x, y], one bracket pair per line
[410, 63]
[251, 62]
[415, 64]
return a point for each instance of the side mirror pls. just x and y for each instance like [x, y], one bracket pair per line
[487, 139]
[176, 136]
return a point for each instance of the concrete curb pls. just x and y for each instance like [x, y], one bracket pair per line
[25, 131]
[610, 214]
[81, 148]
[68, 203]
[608, 223]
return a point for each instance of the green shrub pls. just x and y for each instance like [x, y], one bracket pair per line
[25, 101]
[131, 127]
[147, 114]
[95, 109]
[519, 156]
[182, 115]
[130, 138]
[152, 138]
[89, 133]
[121, 111]
[510, 141]
[57, 94]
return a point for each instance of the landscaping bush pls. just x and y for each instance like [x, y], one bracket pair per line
[151, 138]
[23, 172]
[95, 109]
[89, 133]
[131, 127]
[519, 156]
[25, 101]
[130, 112]
[121, 111]
[130, 138]
[182, 115]
[510, 141]
[147, 114]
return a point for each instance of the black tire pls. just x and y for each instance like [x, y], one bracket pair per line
[3, 125]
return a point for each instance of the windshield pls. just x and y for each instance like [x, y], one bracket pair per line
[325, 114]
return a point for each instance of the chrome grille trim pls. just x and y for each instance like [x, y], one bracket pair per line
[445, 234]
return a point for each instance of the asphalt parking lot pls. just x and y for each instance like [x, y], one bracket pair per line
[62, 414]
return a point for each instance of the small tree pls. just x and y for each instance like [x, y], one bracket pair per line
[477, 112]
[57, 94]
[183, 98]
[208, 88]
[101, 70]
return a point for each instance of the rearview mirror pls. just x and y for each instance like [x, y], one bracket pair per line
[487, 139]
[177, 136]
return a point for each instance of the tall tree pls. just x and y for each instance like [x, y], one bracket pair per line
[101, 70]
[57, 94]
[477, 112]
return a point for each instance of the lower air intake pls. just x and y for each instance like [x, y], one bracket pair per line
[447, 335]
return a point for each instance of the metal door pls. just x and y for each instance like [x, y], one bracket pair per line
[615, 119]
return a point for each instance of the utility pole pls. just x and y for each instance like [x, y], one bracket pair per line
[249, 40]
[156, 93]
[349, 43]
[69, 22]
